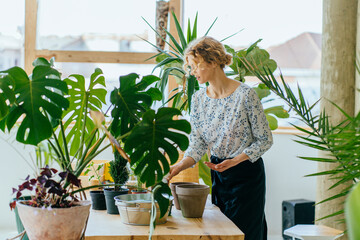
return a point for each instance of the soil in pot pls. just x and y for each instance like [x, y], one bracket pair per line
[173, 192]
[110, 193]
[136, 191]
[55, 223]
[98, 200]
[192, 199]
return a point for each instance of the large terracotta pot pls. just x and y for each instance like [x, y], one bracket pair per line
[173, 192]
[56, 223]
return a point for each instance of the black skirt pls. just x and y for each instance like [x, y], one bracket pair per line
[239, 192]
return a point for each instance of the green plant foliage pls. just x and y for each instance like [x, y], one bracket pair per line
[131, 100]
[352, 213]
[341, 141]
[154, 137]
[118, 169]
[205, 172]
[82, 100]
[255, 56]
[36, 97]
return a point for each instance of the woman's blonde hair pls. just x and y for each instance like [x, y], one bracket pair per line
[207, 49]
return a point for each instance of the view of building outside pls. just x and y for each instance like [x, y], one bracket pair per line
[291, 32]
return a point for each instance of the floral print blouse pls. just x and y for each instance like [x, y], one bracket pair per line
[228, 126]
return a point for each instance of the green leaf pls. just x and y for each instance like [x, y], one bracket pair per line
[179, 31]
[162, 195]
[273, 124]
[204, 171]
[262, 91]
[36, 99]
[278, 111]
[130, 101]
[7, 96]
[160, 135]
[352, 213]
[83, 99]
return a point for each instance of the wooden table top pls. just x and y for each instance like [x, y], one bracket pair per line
[103, 226]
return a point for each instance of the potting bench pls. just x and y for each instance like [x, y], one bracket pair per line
[214, 224]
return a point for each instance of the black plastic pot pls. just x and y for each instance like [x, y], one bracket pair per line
[98, 200]
[110, 193]
[19, 225]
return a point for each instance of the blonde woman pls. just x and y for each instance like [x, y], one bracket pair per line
[227, 118]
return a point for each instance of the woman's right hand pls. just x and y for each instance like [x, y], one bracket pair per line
[174, 170]
[178, 167]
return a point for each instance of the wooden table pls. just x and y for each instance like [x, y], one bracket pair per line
[213, 225]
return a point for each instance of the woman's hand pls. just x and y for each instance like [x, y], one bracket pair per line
[228, 163]
[178, 167]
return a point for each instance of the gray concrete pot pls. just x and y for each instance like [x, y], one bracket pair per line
[192, 199]
[173, 192]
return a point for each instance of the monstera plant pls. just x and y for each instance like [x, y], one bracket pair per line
[67, 114]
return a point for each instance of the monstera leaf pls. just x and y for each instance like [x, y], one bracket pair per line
[131, 101]
[7, 95]
[83, 99]
[37, 98]
[154, 137]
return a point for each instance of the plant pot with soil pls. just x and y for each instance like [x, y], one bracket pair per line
[120, 174]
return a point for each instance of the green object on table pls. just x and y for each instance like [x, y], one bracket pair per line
[352, 213]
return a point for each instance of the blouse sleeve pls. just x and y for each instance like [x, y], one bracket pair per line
[259, 126]
[197, 147]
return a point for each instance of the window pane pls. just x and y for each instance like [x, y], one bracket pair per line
[111, 72]
[12, 33]
[92, 25]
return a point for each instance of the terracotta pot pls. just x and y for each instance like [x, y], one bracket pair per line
[56, 223]
[173, 192]
[192, 199]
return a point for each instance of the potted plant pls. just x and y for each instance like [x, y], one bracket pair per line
[46, 105]
[54, 195]
[120, 175]
[97, 195]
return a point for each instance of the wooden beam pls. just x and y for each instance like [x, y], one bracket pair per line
[176, 7]
[31, 7]
[97, 56]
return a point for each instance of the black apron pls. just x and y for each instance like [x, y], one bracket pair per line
[239, 192]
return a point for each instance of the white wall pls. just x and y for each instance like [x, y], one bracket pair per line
[285, 177]
[284, 172]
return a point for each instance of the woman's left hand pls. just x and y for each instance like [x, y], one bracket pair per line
[224, 165]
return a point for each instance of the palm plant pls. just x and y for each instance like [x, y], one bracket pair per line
[340, 141]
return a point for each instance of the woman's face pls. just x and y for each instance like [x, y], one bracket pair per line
[202, 71]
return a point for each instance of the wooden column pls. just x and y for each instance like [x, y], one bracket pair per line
[357, 72]
[337, 85]
[31, 7]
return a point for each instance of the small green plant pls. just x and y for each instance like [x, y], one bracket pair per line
[95, 171]
[118, 170]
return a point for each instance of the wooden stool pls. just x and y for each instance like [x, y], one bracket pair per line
[313, 232]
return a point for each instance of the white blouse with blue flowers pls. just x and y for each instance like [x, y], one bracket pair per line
[228, 126]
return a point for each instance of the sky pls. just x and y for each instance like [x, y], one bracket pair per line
[274, 21]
